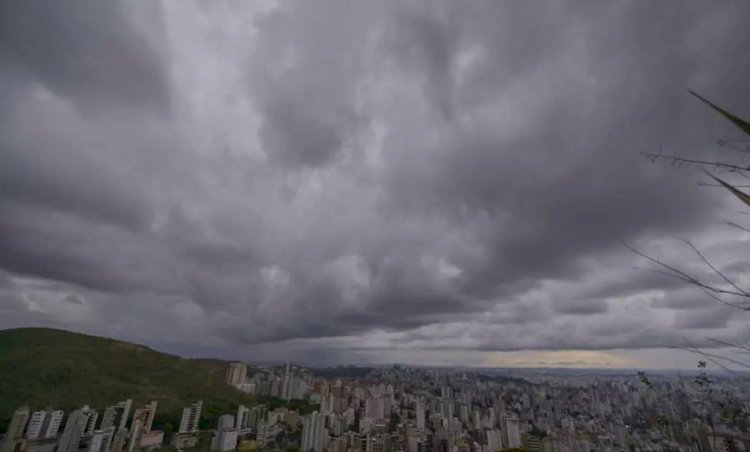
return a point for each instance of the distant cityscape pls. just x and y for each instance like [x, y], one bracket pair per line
[404, 409]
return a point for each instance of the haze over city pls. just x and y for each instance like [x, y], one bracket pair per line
[438, 182]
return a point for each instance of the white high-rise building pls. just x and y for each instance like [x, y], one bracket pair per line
[14, 434]
[143, 419]
[243, 418]
[236, 374]
[226, 421]
[313, 433]
[36, 422]
[420, 414]
[146, 415]
[375, 408]
[297, 388]
[494, 441]
[44, 424]
[326, 404]
[286, 384]
[91, 422]
[101, 440]
[191, 416]
[225, 440]
[116, 415]
[511, 433]
[53, 426]
[78, 422]
[225, 436]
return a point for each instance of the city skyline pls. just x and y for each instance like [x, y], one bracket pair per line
[429, 182]
[407, 409]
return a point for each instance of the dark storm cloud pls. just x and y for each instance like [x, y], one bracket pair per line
[705, 318]
[298, 137]
[5, 282]
[72, 299]
[580, 306]
[89, 52]
[430, 175]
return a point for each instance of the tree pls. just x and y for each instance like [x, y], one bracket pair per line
[720, 287]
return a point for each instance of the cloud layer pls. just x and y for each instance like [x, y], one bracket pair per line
[361, 177]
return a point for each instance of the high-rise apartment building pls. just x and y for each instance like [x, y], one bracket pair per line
[101, 440]
[420, 414]
[286, 384]
[225, 440]
[511, 433]
[494, 441]
[143, 419]
[44, 424]
[92, 417]
[243, 418]
[36, 421]
[77, 424]
[145, 415]
[14, 433]
[313, 433]
[117, 415]
[236, 374]
[191, 416]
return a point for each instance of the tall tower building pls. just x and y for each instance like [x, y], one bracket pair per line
[143, 419]
[90, 422]
[286, 384]
[494, 441]
[77, 424]
[511, 433]
[145, 415]
[53, 422]
[243, 418]
[35, 430]
[313, 433]
[116, 415]
[420, 414]
[14, 433]
[236, 374]
[101, 440]
[191, 416]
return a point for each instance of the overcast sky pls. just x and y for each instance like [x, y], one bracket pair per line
[428, 182]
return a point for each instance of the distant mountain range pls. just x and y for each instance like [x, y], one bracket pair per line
[42, 367]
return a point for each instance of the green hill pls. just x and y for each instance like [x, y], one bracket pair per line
[42, 367]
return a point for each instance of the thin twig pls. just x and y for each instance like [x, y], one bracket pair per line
[714, 355]
[678, 159]
[716, 270]
[730, 344]
[681, 275]
[706, 184]
[733, 224]
[718, 363]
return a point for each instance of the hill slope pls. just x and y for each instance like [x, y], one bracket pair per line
[43, 367]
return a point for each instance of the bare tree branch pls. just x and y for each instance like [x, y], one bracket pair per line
[679, 274]
[724, 302]
[707, 184]
[716, 270]
[684, 160]
[716, 360]
[735, 225]
[737, 345]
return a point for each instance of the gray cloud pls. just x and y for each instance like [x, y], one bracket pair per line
[437, 175]
[72, 299]
[91, 53]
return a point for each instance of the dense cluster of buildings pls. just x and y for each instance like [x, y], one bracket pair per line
[82, 430]
[403, 409]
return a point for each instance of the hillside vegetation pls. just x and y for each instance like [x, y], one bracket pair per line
[43, 367]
